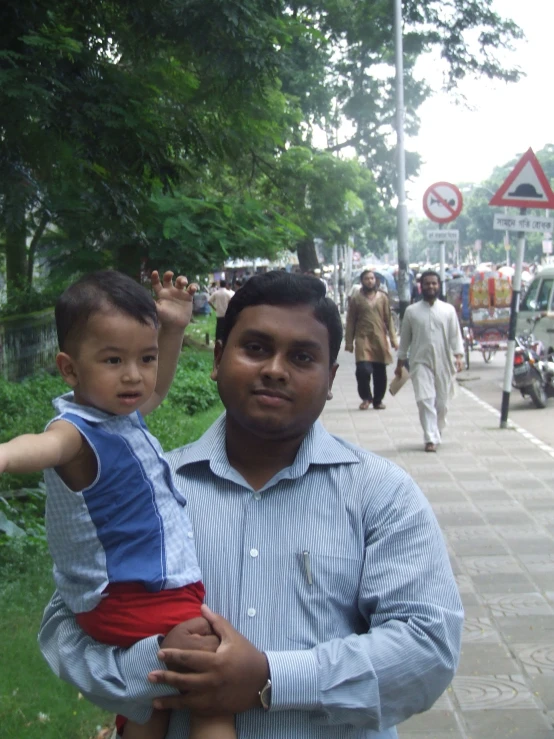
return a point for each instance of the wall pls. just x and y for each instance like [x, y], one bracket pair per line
[27, 343]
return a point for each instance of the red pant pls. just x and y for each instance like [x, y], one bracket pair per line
[129, 613]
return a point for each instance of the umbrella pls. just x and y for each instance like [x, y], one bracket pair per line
[507, 271]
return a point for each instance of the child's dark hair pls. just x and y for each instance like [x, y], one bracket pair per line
[283, 289]
[96, 292]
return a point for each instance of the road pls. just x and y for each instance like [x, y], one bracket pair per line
[485, 380]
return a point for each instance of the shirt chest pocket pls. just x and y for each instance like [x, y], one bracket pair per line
[325, 590]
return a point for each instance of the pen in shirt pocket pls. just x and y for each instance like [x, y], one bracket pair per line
[307, 566]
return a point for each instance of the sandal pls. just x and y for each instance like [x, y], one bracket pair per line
[380, 407]
[430, 447]
[364, 405]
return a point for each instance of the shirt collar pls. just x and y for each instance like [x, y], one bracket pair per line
[66, 404]
[318, 447]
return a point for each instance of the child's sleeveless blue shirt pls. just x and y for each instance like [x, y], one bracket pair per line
[130, 525]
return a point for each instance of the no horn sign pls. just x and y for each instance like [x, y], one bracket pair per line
[442, 202]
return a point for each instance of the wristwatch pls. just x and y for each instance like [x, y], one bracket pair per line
[265, 696]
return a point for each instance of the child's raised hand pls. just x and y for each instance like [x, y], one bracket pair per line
[173, 301]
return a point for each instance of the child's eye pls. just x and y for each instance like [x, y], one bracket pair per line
[149, 358]
[113, 360]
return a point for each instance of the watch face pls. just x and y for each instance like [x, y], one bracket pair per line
[265, 695]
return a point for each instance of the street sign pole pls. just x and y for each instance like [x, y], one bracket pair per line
[514, 309]
[442, 250]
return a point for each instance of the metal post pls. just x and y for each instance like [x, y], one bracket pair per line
[507, 240]
[514, 309]
[442, 248]
[402, 209]
[335, 274]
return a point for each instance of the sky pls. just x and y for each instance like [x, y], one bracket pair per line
[464, 145]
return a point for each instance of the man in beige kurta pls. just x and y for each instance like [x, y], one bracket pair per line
[432, 338]
[370, 325]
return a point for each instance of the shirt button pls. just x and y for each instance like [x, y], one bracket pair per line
[190, 535]
[257, 496]
[251, 612]
[254, 552]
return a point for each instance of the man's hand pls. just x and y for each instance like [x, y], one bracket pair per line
[173, 301]
[459, 360]
[226, 682]
[398, 370]
[349, 348]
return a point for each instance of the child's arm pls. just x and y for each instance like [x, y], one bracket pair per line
[58, 445]
[174, 304]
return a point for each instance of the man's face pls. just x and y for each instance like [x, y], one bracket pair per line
[430, 287]
[369, 281]
[273, 374]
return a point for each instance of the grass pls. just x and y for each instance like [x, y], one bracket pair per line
[34, 704]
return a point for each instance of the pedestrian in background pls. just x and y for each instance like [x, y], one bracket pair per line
[369, 325]
[219, 302]
[432, 338]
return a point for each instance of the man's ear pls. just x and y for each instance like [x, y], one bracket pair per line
[218, 353]
[332, 373]
[66, 368]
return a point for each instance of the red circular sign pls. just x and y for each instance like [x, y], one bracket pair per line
[442, 202]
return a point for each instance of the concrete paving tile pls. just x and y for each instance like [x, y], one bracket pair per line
[522, 531]
[506, 518]
[469, 599]
[539, 545]
[481, 692]
[426, 724]
[486, 565]
[516, 630]
[543, 687]
[544, 581]
[479, 629]
[517, 604]
[508, 583]
[536, 659]
[485, 659]
[538, 562]
[479, 548]
[408, 733]
[507, 724]
[463, 518]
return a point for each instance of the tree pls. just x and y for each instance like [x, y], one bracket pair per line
[103, 102]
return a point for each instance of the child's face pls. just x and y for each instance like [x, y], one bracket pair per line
[117, 363]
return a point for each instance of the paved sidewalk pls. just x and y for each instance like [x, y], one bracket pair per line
[493, 494]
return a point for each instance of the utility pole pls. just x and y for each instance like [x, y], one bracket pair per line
[402, 210]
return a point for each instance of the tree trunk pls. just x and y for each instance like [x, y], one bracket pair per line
[128, 260]
[44, 219]
[307, 255]
[16, 247]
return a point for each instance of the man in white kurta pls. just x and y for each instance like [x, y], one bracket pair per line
[432, 339]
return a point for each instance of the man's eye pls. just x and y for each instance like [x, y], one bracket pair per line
[304, 358]
[254, 347]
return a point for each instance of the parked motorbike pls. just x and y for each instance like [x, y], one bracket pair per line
[533, 370]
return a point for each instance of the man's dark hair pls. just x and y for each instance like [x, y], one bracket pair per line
[284, 289]
[222, 283]
[430, 273]
[96, 292]
[370, 272]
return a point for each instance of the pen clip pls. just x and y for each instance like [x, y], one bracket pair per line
[307, 567]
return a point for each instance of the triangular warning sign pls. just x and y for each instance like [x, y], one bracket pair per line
[526, 186]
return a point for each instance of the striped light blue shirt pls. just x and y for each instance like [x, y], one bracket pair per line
[336, 569]
[129, 525]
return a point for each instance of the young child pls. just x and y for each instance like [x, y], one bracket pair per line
[117, 528]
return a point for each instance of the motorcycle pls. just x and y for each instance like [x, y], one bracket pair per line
[533, 371]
